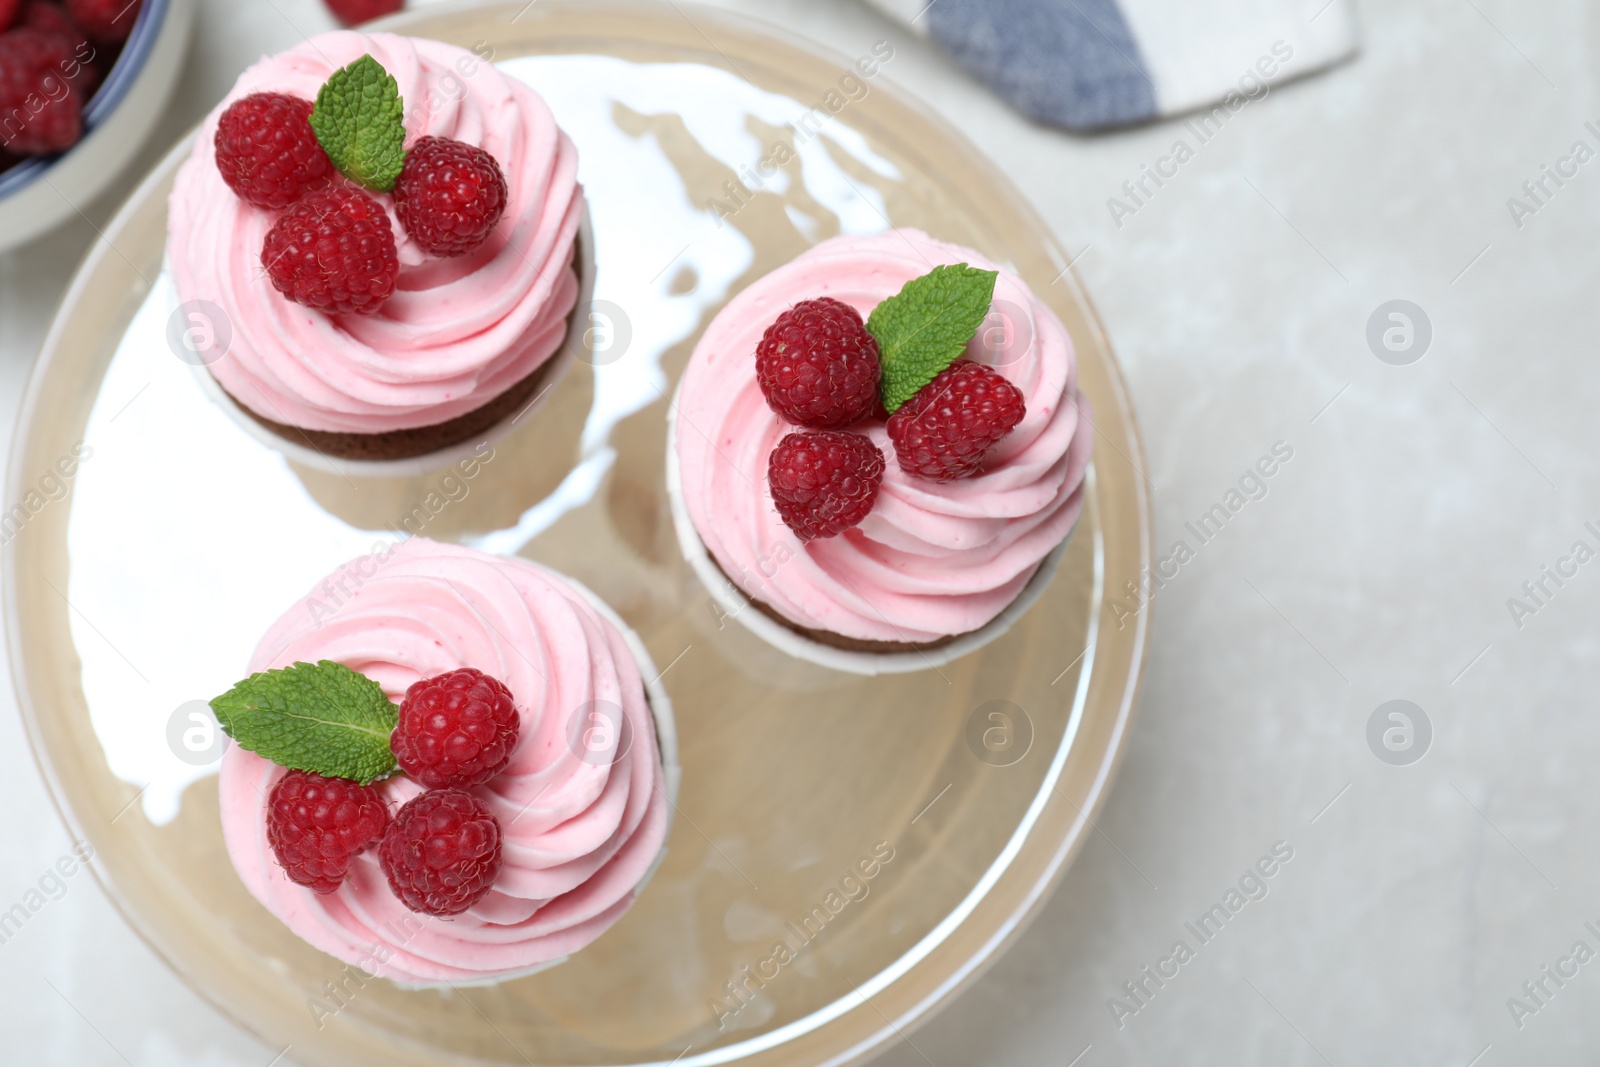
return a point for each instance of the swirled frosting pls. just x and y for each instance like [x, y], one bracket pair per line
[933, 559]
[581, 823]
[458, 332]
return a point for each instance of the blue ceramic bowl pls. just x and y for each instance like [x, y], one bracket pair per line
[39, 194]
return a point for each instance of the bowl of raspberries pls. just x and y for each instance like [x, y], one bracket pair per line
[82, 84]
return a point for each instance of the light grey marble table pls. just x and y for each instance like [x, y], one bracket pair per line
[1379, 565]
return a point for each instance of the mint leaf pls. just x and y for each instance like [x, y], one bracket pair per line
[322, 717]
[926, 326]
[359, 119]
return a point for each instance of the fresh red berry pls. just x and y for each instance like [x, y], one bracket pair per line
[316, 825]
[83, 64]
[266, 151]
[946, 430]
[354, 12]
[818, 366]
[41, 112]
[457, 729]
[9, 10]
[107, 22]
[62, 47]
[449, 195]
[333, 250]
[824, 481]
[442, 852]
[52, 18]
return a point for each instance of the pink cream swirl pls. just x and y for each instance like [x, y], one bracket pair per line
[933, 559]
[580, 829]
[458, 332]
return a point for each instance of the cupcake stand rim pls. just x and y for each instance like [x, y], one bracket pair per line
[17, 482]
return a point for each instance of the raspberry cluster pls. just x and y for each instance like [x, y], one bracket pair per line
[441, 851]
[52, 59]
[819, 368]
[334, 248]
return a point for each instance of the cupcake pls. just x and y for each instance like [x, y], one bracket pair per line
[878, 452]
[446, 766]
[388, 228]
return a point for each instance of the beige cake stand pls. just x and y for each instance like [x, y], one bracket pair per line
[965, 789]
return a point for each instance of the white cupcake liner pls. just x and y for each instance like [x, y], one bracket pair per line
[555, 368]
[736, 603]
[671, 775]
[660, 704]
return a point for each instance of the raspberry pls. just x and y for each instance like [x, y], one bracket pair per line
[107, 22]
[948, 428]
[333, 250]
[449, 195]
[818, 366]
[824, 481]
[442, 852]
[52, 18]
[40, 110]
[316, 825]
[266, 151]
[63, 51]
[457, 729]
[352, 12]
[81, 64]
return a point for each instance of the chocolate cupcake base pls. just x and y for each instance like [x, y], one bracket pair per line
[414, 441]
[833, 640]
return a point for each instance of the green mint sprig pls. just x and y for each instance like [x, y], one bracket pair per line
[359, 120]
[926, 326]
[321, 717]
